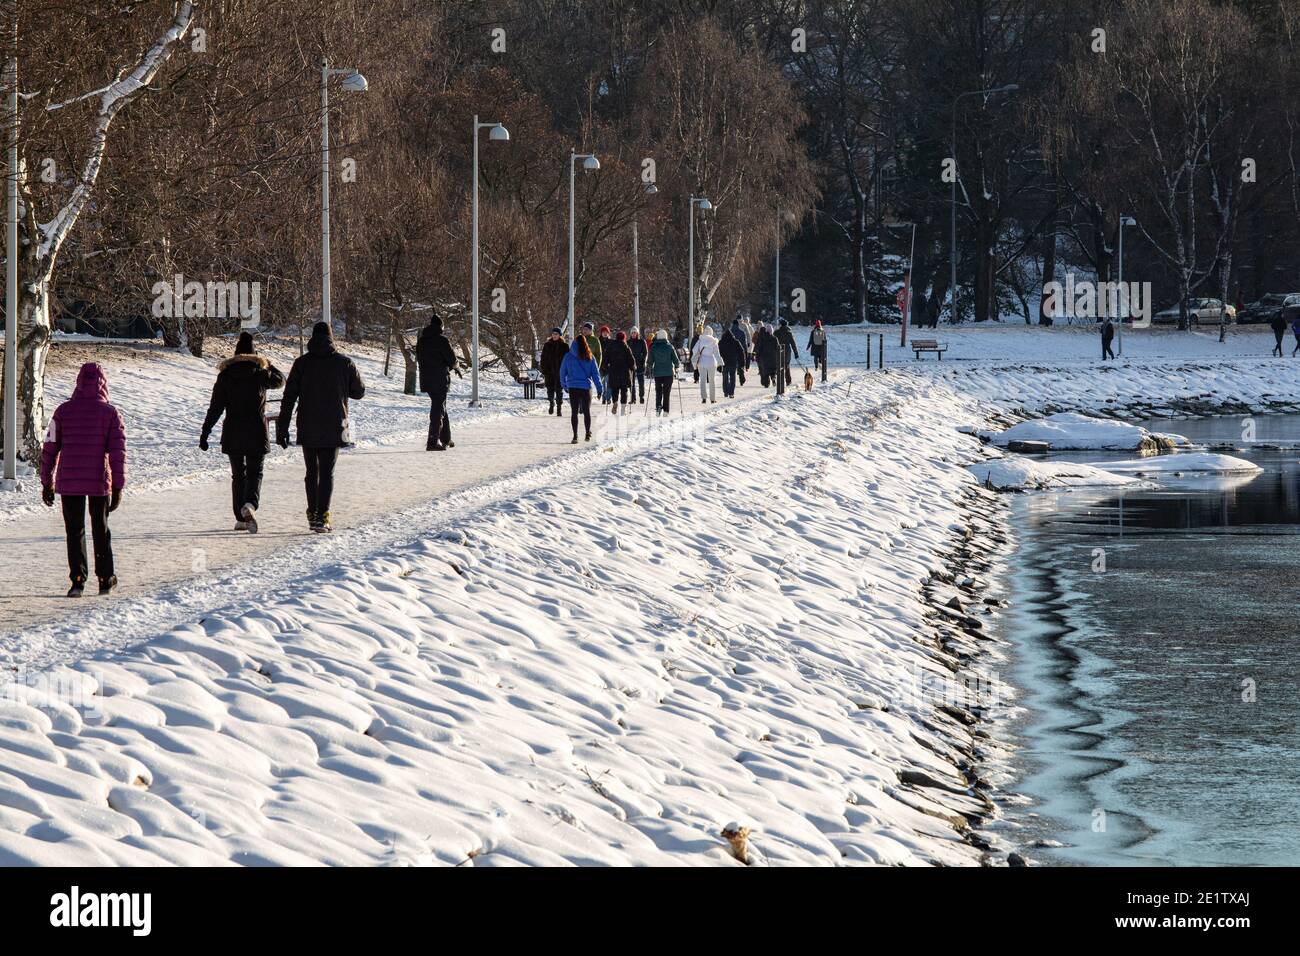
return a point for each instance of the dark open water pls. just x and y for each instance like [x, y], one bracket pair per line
[1141, 742]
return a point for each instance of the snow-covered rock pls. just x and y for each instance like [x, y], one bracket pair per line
[1025, 474]
[1189, 462]
[1072, 431]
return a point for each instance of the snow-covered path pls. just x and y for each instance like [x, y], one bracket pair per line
[175, 544]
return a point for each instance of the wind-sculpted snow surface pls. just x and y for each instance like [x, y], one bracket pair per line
[725, 628]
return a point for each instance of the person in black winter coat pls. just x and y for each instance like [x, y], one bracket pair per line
[603, 352]
[1107, 336]
[620, 364]
[767, 352]
[1278, 325]
[785, 337]
[733, 359]
[553, 353]
[320, 384]
[437, 360]
[640, 350]
[240, 394]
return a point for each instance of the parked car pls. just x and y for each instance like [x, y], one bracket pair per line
[1267, 307]
[1207, 311]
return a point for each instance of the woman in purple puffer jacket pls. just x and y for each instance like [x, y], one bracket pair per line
[84, 461]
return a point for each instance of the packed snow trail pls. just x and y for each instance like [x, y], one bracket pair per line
[164, 536]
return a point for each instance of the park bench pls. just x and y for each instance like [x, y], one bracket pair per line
[928, 345]
[529, 382]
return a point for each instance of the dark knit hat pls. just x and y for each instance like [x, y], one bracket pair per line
[435, 322]
[557, 331]
[322, 330]
[244, 345]
[621, 336]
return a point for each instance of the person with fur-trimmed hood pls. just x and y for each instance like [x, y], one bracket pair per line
[240, 394]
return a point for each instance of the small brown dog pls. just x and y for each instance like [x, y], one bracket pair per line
[807, 380]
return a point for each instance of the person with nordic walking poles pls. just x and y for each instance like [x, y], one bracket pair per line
[663, 364]
[240, 394]
[579, 374]
[321, 382]
[553, 353]
[436, 360]
[83, 461]
[707, 359]
[640, 352]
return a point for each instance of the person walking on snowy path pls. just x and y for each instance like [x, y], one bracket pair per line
[579, 373]
[601, 356]
[785, 337]
[593, 342]
[707, 359]
[83, 461]
[240, 394]
[1107, 336]
[733, 359]
[553, 353]
[690, 352]
[620, 364]
[767, 353]
[640, 351]
[663, 364]
[1279, 332]
[744, 336]
[1295, 329]
[817, 345]
[320, 384]
[436, 360]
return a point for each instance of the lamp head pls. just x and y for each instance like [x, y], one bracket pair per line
[591, 164]
[651, 189]
[354, 82]
[704, 205]
[499, 133]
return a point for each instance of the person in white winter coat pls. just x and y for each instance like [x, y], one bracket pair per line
[707, 359]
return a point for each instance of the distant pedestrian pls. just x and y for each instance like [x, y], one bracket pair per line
[786, 338]
[83, 461]
[767, 353]
[620, 364]
[663, 364]
[320, 384]
[1278, 325]
[579, 373]
[553, 353]
[240, 394]
[732, 350]
[1107, 336]
[437, 360]
[640, 351]
[817, 345]
[707, 359]
[593, 342]
[602, 359]
[1295, 329]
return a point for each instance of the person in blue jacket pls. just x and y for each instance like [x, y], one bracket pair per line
[578, 375]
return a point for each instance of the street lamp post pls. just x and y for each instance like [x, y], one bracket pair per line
[952, 253]
[650, 190]
[776, 279]
[353, 82]
[705, 206]
[11, 270]
[591, 164]
[1122, 296]
[498, 134]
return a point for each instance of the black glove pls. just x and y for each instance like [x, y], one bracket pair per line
[47, 495]
[282, 438]
[203, 443]
[114, 501]
[457, 371]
